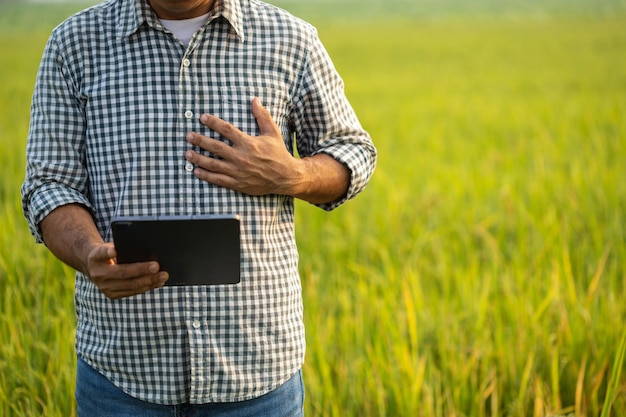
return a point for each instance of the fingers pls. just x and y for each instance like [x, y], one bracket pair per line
[216, 147]
[267, 127]
[133, 279]
[220, 126]
[264, 119]
[118, 281]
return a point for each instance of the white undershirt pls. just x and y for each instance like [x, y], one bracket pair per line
[184, 29]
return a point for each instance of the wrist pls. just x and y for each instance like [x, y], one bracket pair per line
[320, 179]
[300, 182]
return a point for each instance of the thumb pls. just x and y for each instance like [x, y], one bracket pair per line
[267, 126]
[103, 253]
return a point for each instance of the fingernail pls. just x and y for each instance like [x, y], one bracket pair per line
[163, 277]
[153, 268]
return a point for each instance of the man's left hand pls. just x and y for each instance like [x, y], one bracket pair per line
[255, 165]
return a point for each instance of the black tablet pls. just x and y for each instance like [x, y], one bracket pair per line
[194, 250]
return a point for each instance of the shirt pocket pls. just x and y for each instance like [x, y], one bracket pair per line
[236, 109]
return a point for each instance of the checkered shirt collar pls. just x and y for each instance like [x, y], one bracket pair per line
[138, 12]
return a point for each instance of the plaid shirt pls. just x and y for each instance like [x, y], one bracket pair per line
[115, 95]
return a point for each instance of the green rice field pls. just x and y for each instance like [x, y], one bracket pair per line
[482, 273]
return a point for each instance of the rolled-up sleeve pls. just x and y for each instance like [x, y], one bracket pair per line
[56, 172]
[325, 122]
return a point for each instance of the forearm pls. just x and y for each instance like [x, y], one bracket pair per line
[70, 234]
[321, 179]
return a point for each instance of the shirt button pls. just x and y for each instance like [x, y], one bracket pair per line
[196, 324]
[188, 167]
[186, 62]
[188, 114]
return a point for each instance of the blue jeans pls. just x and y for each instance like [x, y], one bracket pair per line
[97, 397]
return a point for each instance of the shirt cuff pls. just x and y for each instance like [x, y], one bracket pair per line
[47, 198]
[360, 160]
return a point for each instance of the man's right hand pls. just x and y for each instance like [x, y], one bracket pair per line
[71, 234]
[122, 280]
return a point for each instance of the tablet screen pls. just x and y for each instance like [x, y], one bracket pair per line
[194, 250]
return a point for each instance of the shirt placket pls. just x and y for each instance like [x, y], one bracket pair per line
[195, 321]
[188, 118]
[199, 382]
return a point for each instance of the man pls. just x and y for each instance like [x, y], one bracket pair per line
[169, 107]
